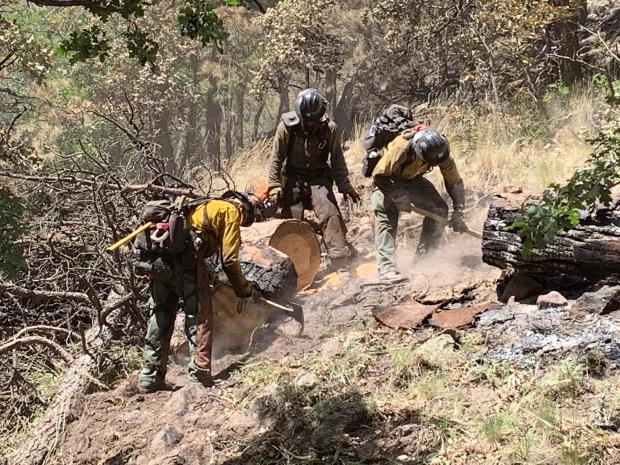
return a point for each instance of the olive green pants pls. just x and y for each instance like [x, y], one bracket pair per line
[386, 207]
[163, 304]
[317, 195]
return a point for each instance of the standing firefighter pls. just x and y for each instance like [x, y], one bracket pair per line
[399, 182]
[174, 256]
[307, 158]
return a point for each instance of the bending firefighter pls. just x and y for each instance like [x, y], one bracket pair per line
[399, 183]
[174, 257]
[307, 158]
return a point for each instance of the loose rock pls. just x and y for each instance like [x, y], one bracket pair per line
[551, 300]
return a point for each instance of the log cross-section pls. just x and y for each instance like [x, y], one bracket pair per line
[591, 250]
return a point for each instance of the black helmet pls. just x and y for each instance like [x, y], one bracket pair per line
[431, 146]
[250, 203]
[310, 105]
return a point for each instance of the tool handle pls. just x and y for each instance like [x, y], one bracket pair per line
[129, 237]
[442, 220]
[276, 305]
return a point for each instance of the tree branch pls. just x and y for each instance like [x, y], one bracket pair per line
[30, 340]
[92, 6]
[260, 6]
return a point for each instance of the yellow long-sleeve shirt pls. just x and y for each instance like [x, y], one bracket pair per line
[395, 156]
[218, 223]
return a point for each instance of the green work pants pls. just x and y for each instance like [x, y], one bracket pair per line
[386, 206]
[163, 304]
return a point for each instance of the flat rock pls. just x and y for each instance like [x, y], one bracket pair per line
[601, 302]
[406, 315]
[460, 317]
[551, 300]
[493, 317]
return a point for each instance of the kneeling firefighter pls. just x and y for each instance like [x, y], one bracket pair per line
[174, 254]
[399, 184]
[306, 160]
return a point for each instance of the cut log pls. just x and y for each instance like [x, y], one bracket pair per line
[292, 237]
[592, 250]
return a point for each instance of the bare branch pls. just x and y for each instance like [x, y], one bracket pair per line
[30, 340]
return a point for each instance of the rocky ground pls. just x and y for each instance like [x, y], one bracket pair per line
[470, 380]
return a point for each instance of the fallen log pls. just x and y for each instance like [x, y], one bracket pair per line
[591, 250]
[294, 238]
[41, 443]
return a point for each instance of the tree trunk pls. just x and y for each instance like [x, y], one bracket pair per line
[257, 115]
[592, 250]
[343, 113]
[213, 125]
[331, 91]
[239, 116]
[279, 257]
[565, 34]
[284, 105]
[292, 237]
[164, 140]
[191, 139]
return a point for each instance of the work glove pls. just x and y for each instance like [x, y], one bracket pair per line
[351, 193]
[457, 223]
[244, 302]
[275, 195]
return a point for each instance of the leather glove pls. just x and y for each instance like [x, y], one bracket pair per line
[457, 223]
[275, 195]
[352, 194]
[244, 302]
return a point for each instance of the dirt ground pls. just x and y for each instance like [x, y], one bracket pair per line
[351, 391]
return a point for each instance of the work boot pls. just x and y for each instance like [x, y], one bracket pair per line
[199, 375]
[392, 277]
[151, 379]
[154, 387]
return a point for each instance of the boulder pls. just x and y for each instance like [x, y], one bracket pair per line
[601, 302]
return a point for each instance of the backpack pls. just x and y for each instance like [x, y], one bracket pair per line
[170, 233]
[393, 121]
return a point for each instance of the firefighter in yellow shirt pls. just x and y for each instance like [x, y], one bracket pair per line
[216, 225]
[399, 182]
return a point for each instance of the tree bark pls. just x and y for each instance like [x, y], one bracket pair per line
[164, 140]
[213, 125]
[239, 116]
[592, 250]
[191, 138]
[257, 116]
[343, 113]
[42, 442]
[565, 34]
[331, 90]
[284, 104]
[279, 257]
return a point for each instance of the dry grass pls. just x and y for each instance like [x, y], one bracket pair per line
[495, 148]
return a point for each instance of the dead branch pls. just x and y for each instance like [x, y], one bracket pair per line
[44, 328]
[148, 187]
[31, 340]
[42, 295]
